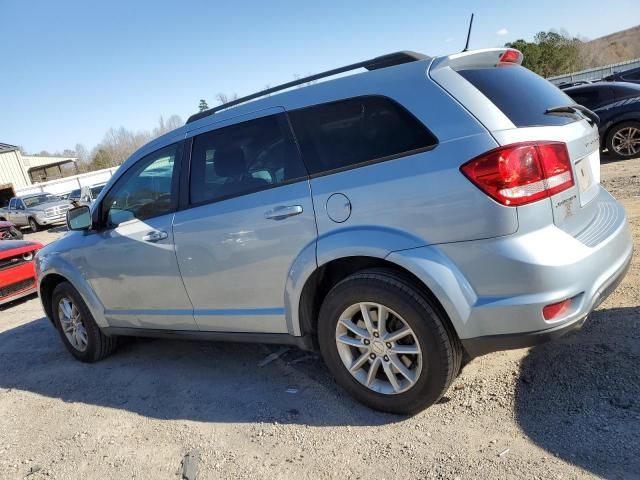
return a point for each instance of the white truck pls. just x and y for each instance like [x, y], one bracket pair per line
[36, 210]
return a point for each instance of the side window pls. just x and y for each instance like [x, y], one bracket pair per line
[12, 204]
[243, 158]
[345, 133]
[145, 191]
[588, 98]
[633, 77]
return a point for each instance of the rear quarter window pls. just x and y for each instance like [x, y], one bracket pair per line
[347, 133]
[522, 95]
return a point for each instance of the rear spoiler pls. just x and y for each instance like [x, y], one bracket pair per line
[484, 58]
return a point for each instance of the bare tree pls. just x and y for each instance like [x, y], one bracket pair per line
[165, 126]
[224, 98]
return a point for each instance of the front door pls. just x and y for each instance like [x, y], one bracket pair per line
[132, 264]
[250, 215]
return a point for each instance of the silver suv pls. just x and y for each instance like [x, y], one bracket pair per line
[400, 221]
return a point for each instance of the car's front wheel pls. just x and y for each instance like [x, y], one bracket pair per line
[386, 343]
[623, 141]
[78, 330]
[34, 225]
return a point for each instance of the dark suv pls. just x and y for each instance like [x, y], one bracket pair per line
[618, 106]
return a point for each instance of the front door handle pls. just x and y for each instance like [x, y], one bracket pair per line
[154, 236]
[283, 211]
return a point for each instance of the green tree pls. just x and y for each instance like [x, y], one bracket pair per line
[203, 105]
[550, 53]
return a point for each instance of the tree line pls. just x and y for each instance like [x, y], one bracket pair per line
[556, 53]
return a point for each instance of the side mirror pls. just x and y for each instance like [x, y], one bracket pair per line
[79, 218]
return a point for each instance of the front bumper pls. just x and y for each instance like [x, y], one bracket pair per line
[56, 220]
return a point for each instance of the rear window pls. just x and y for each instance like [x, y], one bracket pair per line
[522, 95]
[351, 132]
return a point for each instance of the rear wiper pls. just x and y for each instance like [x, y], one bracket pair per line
[573, 109]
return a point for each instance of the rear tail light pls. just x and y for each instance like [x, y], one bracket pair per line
[521, 173]
[556, 310]
[511, 55]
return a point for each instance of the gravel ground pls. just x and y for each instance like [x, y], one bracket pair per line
[568, 409]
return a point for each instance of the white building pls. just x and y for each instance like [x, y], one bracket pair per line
[19, 171]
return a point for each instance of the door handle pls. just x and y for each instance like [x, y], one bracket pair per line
[154, 236]
[283, 211]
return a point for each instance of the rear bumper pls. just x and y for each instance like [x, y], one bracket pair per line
[493, 343]
[494, 290]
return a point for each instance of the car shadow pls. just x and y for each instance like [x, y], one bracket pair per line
[579, 397]
[201, 381]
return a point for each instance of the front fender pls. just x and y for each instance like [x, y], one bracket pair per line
[47, 265]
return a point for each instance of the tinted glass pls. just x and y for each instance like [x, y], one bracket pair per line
[522, 95]
[74, 194]
[243, 158]
[95, 191]
[145, 191]
[634, 76]
[625, 90]
[12, 204]
[592, 96]
[36, 200]
[341, 134]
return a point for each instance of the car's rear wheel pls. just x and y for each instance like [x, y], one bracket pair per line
[386, 343]
[78, 330]
[35, 226]
[623, 141]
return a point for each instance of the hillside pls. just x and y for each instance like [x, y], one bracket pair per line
[613, 48]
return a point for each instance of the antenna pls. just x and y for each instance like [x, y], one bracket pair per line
[466, 46]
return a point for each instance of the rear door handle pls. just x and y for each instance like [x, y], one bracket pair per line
[283, 211]
[154, 236]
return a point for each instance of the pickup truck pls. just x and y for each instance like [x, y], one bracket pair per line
[36, 210]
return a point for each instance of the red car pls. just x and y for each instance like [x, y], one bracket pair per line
[8, 231]
[17, 273]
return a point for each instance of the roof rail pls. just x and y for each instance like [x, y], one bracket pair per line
[383, 61]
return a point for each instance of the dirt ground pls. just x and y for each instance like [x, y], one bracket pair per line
[568, 409]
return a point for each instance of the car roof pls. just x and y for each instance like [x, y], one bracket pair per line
[599, 85]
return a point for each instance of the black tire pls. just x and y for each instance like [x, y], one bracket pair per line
[16, 233]
[33, 225]
[99, 345]
[442, 350]
[612, 133]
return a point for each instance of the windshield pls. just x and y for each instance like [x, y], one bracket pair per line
[39, 199]
[522, 95]
[96, 190]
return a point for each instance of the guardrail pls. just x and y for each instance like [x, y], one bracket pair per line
[597, 73]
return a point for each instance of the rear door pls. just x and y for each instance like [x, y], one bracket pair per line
[247, 217]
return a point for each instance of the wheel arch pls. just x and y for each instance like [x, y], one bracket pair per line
[322, 279]
[49, 276]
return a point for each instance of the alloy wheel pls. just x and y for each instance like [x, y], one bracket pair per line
[626, 141]
[72, 325]
[379, 348]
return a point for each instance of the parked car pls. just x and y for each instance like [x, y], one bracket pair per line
[36, 211]
[631, 75]
[399, 221]
[75, 195]
[564, 85]
[8, 231]
[618, 106]
[17, 274]
[88, 194]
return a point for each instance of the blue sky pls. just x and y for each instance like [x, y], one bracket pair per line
[70, 70]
